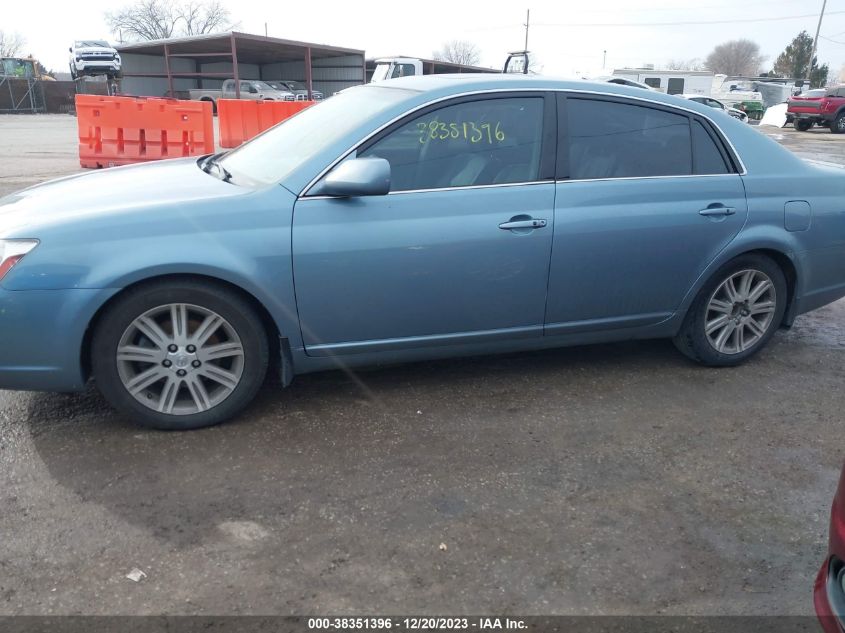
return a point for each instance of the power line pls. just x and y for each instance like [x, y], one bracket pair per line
[684, 23]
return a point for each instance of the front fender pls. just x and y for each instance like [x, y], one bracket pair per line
[246, 243]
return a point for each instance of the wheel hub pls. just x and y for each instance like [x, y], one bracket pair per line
[182, 359]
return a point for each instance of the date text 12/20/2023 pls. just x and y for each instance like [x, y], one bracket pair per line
[416, 624]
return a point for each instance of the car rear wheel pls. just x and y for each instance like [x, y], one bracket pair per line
[179, 355]
[802, 125]
[736, 313]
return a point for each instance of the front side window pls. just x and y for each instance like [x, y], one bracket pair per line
[608, 139]
[402, 70]
[484, 142]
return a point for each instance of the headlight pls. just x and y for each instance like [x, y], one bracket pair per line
[13, 251]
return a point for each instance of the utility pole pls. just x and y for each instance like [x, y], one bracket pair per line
[816, 41]
[528, 21]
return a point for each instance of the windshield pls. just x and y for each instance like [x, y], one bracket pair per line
[263, 85]
[272, 156]
[380, 73]
[86, 43]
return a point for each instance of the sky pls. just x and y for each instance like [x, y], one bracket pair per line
[565, 40]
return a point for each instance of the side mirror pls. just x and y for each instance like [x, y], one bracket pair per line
[70, 49]
[357, 177]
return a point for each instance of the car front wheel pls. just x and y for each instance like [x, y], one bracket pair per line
[179, 355]
[837, 126]
[736, 313]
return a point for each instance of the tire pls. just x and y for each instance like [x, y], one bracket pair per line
[693, 340]
[802, 125]
[232, 355]
[837, 125]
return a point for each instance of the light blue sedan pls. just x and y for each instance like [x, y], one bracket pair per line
[414, 219]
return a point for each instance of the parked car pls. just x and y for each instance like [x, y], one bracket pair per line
[249, 89]
[829, 588]
[623, 81]
[434, 217]
[93, 57]
[299, 89]
[710, 102]
[821, 107]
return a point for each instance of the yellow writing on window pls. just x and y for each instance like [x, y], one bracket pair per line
[471, 131]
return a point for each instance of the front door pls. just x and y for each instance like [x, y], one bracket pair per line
[458, 252]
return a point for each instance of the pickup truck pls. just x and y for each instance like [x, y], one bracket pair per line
[299, 89]
[825, 108]
[393, 67]
[250, 89]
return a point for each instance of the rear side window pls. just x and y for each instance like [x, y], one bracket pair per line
[707, 159]
[654, 82]
[607, 139]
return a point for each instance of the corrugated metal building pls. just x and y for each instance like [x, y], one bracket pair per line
[168, 67]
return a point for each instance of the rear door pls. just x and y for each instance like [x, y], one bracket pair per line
[646, 198]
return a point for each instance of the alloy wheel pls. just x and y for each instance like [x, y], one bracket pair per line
[740, 311]
[180, 359]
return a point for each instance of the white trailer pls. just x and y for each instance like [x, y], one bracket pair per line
[673, 82]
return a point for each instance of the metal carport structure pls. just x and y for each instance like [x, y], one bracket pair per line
[205, 61]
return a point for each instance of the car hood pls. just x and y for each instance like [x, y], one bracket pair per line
[117, 190]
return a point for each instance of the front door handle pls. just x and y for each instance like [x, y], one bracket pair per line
[531, 223]
[714, 210]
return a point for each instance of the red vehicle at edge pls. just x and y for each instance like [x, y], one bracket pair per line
[823, 107]
[829, 588]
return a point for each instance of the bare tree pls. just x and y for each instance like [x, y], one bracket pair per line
[11, 44]
[736, 58]
[685, 64]
[161, 19]
[207, 16]
[459, 52]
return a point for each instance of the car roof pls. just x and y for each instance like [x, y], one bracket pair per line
[436, 86]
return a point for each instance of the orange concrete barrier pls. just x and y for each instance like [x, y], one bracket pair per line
[123, 130]
[242, 119]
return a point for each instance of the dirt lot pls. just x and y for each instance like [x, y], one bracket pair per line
[616, 479]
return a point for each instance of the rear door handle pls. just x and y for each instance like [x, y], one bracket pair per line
[523, 224]
[720, 210]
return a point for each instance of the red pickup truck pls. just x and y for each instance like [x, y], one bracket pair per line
[823, 107]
